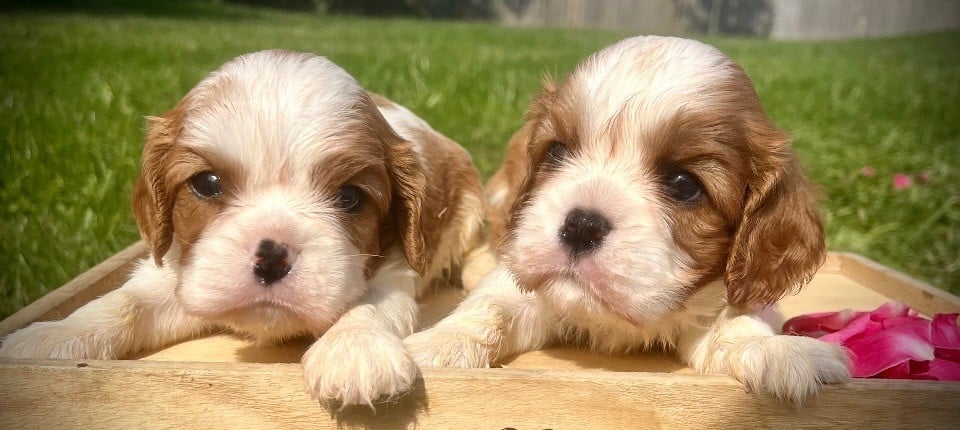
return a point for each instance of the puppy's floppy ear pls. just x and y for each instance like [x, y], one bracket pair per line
[152, 202]
[433, 182]
[409, 186]
[508, 188]
[779, 243]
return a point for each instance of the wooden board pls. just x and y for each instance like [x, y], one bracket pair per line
[226, 381]
[134, 394]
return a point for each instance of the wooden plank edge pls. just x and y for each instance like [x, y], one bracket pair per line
[831, 264]
[87, 285]
[896, 285]
[120, 394]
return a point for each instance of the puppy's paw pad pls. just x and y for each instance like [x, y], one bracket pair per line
[357, 367]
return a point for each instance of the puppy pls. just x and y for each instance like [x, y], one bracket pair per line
[648, 201]
[280, 199]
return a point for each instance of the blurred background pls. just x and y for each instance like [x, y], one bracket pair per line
[781, 19]
[869, 89]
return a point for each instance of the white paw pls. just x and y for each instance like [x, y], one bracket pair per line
[53, 339]
[357, 367]
[791, 368]
[445, 347]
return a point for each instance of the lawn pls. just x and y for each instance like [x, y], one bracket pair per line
[74, 88]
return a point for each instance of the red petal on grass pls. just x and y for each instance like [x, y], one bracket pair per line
[901, 181]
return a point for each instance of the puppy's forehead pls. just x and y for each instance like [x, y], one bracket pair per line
[654, 76]
[274, 109]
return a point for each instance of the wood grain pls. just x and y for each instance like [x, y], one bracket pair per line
[117, 394]
[87, 286]
[225, 381]
[898, 286]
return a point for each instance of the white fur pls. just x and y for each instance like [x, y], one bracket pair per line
[275, 117]
[633, 72]
[639, 263]
[311, 101]
[403, 121]
[632, 293]
[362, 358]
[140, 315]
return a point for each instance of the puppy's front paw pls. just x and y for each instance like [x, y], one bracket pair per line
[444, 347]
[53, 339]
[354, 367]
[791, 368]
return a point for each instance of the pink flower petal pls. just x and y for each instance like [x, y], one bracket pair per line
[901, 181]
[892, 341]
[817, 324]
[944, 332]
[879, 351]
[898, 321]
[944, 370]
[893, 309]
[945, 337]
[907, 370]
[862, 324]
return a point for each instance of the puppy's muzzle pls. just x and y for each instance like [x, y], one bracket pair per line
[583, 231]
[272, 262]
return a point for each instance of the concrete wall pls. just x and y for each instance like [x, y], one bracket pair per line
[777, 19]
[838, 19]
[656, 16]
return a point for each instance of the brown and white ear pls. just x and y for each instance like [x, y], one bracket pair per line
[779, 244]
[509, 188]
[509, 185]
[152, 202]
[437, 200]
[409, 184]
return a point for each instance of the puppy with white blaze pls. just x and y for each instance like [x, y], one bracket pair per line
[280, 199]
[648, 201]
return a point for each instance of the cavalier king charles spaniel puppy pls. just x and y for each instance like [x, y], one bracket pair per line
[280, 199]
[648, 201]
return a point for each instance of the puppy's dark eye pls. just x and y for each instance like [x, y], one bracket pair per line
[350, 198]
[206, 185]
[556, 152]
[683, 186]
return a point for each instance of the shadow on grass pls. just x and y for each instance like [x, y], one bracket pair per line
[182, 9]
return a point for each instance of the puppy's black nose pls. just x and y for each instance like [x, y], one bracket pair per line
[271, 264]
[583, 231]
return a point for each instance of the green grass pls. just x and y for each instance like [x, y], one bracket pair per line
[74, 88]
